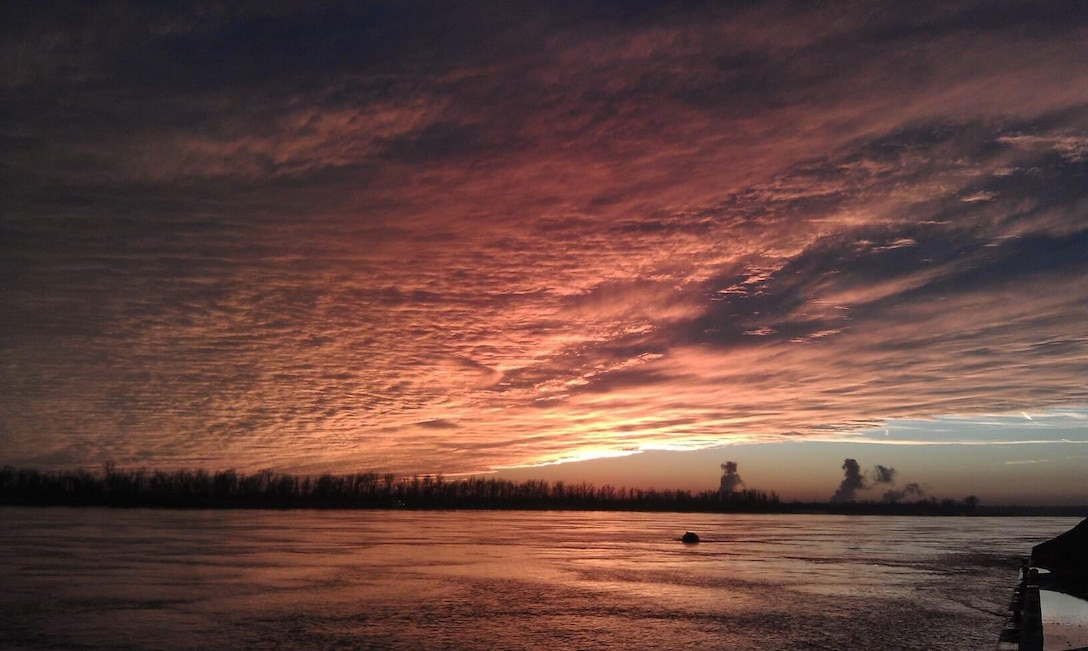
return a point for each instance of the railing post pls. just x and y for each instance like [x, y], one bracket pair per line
[1031, 618]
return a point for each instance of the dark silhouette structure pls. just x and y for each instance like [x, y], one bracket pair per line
[1024, 628]
[1066, 556]
[689, 538]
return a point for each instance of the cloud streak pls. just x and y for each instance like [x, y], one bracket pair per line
[458, 239]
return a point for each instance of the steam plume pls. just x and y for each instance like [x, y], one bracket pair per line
[853, 480]
[911, 489]
[730, 479]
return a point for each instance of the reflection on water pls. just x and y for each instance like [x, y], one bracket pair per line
[111, 579]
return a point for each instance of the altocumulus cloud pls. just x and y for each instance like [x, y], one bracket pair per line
[413, 237]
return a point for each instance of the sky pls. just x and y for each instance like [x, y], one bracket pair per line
[625, 241]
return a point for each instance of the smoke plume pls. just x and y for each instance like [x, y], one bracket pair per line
[883, 474]
[911, 489]
[853, 480]
[730, 479]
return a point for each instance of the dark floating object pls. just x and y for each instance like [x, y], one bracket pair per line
[689, 537]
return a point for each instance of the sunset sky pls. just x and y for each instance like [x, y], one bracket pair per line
[460, 237]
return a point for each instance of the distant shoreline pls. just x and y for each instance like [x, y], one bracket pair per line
[267, 489]
[801, 508]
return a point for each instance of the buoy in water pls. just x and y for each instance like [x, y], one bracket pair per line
[689, 537]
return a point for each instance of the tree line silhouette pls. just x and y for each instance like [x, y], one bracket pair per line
[268, 488]
[272, 489]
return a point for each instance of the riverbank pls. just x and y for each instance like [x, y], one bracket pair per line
[189, 489]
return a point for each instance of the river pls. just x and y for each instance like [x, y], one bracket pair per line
[162, 579]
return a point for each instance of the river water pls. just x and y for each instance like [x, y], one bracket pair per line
[160, 579]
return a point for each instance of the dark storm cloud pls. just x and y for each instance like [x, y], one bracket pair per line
[305, 234]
